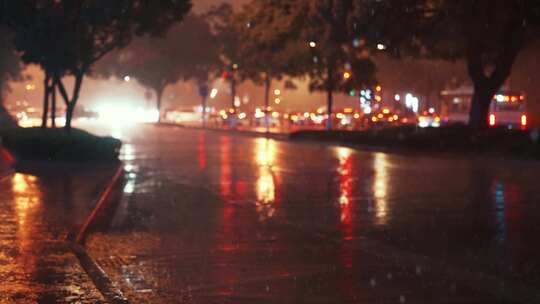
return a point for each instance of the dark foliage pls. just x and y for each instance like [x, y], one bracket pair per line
[57, 145]
[488, 34]
[82, 32]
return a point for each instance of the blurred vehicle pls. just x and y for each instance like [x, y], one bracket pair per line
[386, 117]
[233, 118]
[82, 112]
[183, 115]
[349, 118]
[429, 119]
[508, 108]
[260, 117]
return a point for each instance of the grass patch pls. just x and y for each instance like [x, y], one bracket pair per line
[58, 145]
[458, 139]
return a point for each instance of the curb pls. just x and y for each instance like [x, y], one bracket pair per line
[100, 205]
[271, 135]
[102, 282]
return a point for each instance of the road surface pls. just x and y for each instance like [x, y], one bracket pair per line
[209, 217]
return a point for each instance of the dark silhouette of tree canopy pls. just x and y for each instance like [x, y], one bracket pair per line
[315, 37]
[10, 65]
[488, 34]
[427, 77]
[187, 52]
[229, 40]
[265, 56]
[82, 32]
[10, 69]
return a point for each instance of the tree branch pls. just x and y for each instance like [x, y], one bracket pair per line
[474, 63]
[62, 90]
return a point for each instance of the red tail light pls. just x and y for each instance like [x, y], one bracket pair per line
[523, 120]
[492, 120]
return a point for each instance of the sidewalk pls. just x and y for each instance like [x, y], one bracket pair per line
[36, 214]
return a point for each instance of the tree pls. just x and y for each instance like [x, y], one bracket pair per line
[316, 38]
[427, 77]
[488, 34]
[228, 38]
[265, 56]
[83, 32]
[186, 52]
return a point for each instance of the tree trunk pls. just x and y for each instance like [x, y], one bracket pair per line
[267, 86]
[46, 88]
[69, 116]
[233, 92]
[480, 103]
[330, 101]
[70, 104]
[203, 104]
[329, 98]
[159, 97]
[53, 103]
[1, 92]
[485, 86]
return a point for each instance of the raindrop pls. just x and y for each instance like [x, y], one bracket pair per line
[389, 276]
[267, 288]
[402, 299]
[418, 270]
[373, 282]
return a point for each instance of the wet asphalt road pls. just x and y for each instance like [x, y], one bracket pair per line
[38, 209]
[209, 217]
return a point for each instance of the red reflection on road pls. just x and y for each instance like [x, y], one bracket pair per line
[346, 189]
[347, 252]
[201, 151]
[225, 166]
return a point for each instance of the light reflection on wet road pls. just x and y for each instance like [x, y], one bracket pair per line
[37, 210]
[208, 217]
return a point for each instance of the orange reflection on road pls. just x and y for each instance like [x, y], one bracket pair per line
[380, 188]
[265, 187]
[23, 206]
[27, 197]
